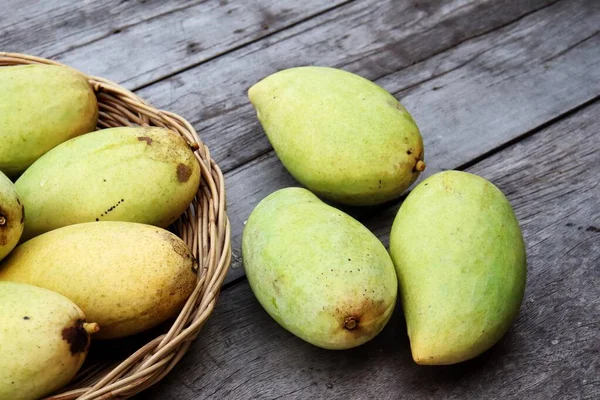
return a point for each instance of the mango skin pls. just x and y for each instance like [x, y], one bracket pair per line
[125, 276]
[43, 341]
[41, 106]
[138, 174]
[318, 272]
[11, 216]
[340, 135]
[460, 258]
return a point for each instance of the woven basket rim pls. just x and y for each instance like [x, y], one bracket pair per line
[204, 227]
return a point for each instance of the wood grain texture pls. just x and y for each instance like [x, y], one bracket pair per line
[144, 53]
[475, 74]
[551, 351]
[373, 38]
[138, 42]
[48, 28]
[469, 100]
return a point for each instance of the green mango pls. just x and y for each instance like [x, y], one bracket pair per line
[340, 135]
[44, 340]
[318, 272]
[41, 106]
[460, 258]
[136, 174]
[11, 216]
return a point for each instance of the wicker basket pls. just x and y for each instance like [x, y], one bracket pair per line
[204, 227]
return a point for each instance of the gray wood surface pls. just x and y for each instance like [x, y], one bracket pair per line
[551, 352]
[373, 38]
[181, 39]
[506, 89]
[470, 99]
[48, 28]
[138, 42]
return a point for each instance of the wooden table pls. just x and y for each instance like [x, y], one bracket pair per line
[505, 89]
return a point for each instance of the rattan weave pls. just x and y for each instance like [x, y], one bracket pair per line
[204, 227]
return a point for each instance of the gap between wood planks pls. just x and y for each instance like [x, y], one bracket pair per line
[550, 352]
[184, 33]
[503, 91]
[300, 22]
[389, 35]
[399, 93]
[425, 29]
[464, 57]
[136, 43]
[63, 25]
[181, 39]
[370, 39]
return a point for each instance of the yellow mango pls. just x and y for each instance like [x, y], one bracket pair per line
[137, 174]
[44, 340]
[41, 106]
[125, 276]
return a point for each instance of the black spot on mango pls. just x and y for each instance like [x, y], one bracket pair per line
[77, 337]
[146, 139]
[183, 172]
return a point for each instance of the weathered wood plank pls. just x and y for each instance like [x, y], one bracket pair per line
[372, 38]
[160, 47]
[46, 28]
[138, 42]
[494, 89]
[552, 350]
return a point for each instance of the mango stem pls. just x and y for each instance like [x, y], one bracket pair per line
[91, 327]
[420, 166]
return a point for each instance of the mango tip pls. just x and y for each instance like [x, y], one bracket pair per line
[251, 93]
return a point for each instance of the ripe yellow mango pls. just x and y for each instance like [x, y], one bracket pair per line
[340, 135]
[11, 216]
[317, 271]
[135, 174]
[44, 340]
[125, 276]
[460, 259]
[41, 106]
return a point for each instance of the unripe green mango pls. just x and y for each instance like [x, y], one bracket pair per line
[460, 259]
[318, 272]
[340, 135]
[127, 277]
[11, 216]
[41, 106]
[138, 174]
[44, 340]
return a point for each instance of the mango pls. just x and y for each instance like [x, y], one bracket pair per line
[44, 339]
[41, 106]
[11, 216]
[317, 271]
[137, 174]
[340, 135]
[460, 258]
[127, 277]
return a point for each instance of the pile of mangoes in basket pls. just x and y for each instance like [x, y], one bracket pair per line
[83, 245]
